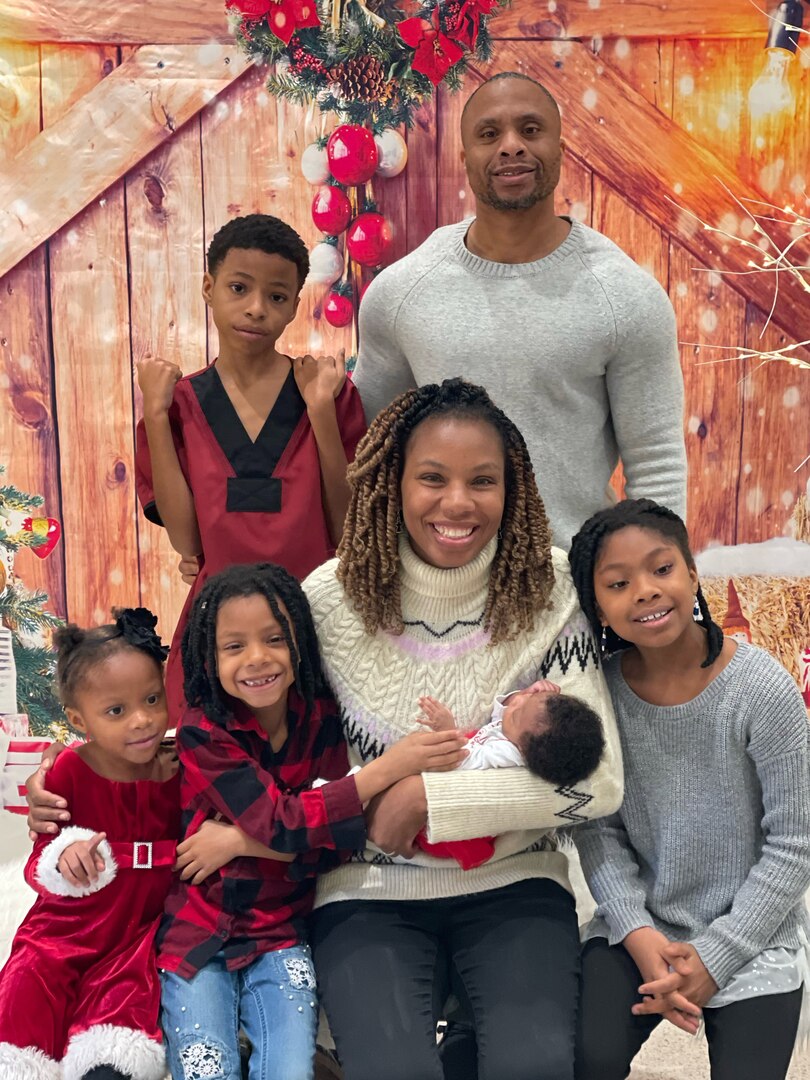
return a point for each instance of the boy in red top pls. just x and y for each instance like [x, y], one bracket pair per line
[245, 461]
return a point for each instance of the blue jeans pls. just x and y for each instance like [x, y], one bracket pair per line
[273, 1000]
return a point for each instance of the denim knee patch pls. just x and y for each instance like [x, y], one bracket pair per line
[203, 1059]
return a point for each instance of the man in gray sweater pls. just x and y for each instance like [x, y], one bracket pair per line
[570, 337]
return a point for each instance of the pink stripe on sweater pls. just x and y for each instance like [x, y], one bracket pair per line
[438, 650]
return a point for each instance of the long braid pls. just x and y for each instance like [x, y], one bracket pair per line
[199, 649]
[521, 576]
[588, 543]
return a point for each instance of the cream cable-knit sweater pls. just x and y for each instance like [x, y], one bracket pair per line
[444, 652]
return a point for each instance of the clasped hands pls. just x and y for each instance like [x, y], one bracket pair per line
[676, 983]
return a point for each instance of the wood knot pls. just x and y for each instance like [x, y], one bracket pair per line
[119, 472]
[30, 407]
[154, 191]
[702, 430]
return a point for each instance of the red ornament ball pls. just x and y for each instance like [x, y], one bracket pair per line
[331, 210]
[352, 153]
[338, 310]
[369, 239]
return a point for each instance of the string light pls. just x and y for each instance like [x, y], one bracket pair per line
[771, 94]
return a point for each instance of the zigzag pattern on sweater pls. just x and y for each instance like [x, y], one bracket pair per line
[449, 629]
[580, 647]
[357, 736]
[578, 800]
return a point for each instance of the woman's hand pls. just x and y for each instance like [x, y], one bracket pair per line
[44, 807]
[396, 816]
[689, 977]
[80, 864]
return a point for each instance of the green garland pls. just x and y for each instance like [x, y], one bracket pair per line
[309, 66]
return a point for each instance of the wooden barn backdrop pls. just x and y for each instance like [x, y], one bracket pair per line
[129, 133]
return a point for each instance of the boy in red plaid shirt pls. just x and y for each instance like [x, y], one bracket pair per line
[259, 729]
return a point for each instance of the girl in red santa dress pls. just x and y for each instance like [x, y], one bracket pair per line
[79, 996]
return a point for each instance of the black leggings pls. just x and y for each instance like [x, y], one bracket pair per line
[750, 1040]
[384, 969]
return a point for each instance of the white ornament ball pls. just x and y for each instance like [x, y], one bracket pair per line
[315, 164]
[325, 265]
[393, 153]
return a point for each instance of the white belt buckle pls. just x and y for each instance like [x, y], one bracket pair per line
[137, 862]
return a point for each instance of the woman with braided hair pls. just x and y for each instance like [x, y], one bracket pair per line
[700, 877]
[446, 584]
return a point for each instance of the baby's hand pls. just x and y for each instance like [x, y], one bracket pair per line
[157, 378]
[436, 716]
[543, 686]
[80, 864]
[321, 379]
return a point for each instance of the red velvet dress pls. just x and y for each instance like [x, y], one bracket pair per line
[255, 501]
[78, 962]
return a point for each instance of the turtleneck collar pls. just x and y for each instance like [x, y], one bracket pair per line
[422, 579]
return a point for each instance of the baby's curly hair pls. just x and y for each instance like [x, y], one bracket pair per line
[570, 745]
[521, 577]
[259, 232]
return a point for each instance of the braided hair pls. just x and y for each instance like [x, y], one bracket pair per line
[521, 577]
[588, 542]
[79, 650]
[199, 649]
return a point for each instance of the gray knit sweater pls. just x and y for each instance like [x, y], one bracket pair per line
[712, 841]
[578, 348]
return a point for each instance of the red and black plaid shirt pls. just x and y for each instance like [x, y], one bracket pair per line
[252, 906]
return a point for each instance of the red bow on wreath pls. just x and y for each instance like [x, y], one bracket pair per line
[435, 52]
[464, 27]
[284, 17]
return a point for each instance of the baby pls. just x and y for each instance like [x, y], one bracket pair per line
[557, 737]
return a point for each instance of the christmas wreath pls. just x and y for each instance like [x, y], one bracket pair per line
[366, 60]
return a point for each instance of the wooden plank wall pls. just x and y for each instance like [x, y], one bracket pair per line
[122, 281]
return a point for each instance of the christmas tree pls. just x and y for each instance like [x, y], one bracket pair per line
[23, 612]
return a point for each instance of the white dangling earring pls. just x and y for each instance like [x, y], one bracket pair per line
[697, 615]
[399, 522]
[603, 639]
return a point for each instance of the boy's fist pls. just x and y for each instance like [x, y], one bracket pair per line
[157, 378]
[320, 379]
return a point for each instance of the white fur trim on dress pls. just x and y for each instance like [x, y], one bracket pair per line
[47, 873]
[27, 1063]
[125, 1049]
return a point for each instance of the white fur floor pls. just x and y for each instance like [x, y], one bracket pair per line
[669, 1055]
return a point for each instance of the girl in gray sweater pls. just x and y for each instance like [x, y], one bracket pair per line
[700, 877]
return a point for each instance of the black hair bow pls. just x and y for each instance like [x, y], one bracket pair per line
[137, 627]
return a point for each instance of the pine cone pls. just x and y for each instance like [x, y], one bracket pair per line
[361, 79]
